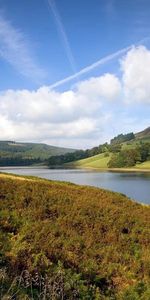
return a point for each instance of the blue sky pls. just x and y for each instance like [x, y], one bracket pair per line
[59, 59]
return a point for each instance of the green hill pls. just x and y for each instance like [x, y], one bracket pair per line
[133, 147]
[14, 153]
[99, 161]
[143, 134]
[64, 241]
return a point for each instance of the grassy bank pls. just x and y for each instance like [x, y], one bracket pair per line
[64, 241]
[100, 161]
[97, 161]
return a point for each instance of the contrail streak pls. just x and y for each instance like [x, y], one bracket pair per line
[98, 63]
[63, 35]
[91, 67]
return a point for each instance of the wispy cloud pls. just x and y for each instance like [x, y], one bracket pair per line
[91, 67]
[81, 117]
[15, 50]
[98, 63]
[63, 35]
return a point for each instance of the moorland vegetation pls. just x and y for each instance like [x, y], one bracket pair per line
[63, 241]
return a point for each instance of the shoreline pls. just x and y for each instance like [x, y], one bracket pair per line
[79, 167]
[39, 179]
[23, 167]
[110, 169]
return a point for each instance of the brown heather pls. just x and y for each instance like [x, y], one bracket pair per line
[64, 241]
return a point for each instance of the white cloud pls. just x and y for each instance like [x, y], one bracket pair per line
[16, 51]
[136, 75]
[45, 114]
[84, 116]
[105, 87]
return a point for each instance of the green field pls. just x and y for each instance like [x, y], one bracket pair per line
[63, 241]
[98, 161]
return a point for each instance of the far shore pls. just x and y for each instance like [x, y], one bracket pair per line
[24, 167]
[137, 170]
[112, 169]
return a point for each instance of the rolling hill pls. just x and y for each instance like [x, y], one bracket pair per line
[15, 152]
[100, 161]
[143, 134]
[63, 241]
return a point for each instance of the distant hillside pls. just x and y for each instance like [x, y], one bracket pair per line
[124, 151]
[143, 134]
[64, 241]
[15, 153]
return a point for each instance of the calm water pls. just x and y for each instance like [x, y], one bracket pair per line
[134, 185]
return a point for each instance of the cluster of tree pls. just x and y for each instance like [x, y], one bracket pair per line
[68, 157]
[121, 138]
[114, 148]
[129, 157]
[124, 158]
[18, 161]
[77, 155]
[62, 241]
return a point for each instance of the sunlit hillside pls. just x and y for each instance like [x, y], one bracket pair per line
[99, 161]
[135, 148]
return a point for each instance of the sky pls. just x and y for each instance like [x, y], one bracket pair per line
[74, 73]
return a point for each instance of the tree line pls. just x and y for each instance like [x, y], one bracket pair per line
[18, 161]
[129, 157]
[119, 158]
[77, 155]
[114, 146]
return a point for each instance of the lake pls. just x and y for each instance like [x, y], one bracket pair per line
[134, 185]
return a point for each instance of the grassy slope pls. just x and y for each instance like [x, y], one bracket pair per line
[132, 144]
[143, 134]
[101, 235]
[34, 150]
[100, 161]
[145, 165]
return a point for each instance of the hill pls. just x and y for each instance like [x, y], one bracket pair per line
[98, 161]
[15, 153]
[64, 241]
[130, 151]
[143, 134]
